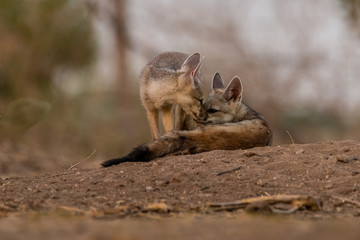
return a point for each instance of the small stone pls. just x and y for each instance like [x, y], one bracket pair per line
[329, 186]
[329, 170]
[206, 187]
[354, 173]
[149, 188]
[250, 154]
[162, 183]
[355, 158]
[300, 151]
[342, 158]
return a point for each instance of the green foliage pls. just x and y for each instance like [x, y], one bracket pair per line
[38, 37]
[21, 115]
[306, 124]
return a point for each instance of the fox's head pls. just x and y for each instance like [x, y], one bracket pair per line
[189, 93]
[223, 103]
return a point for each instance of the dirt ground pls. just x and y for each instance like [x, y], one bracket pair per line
[191, 196]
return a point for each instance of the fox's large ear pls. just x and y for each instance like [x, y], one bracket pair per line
[234, 90]
[191, 67]
[191, 63]
[197, 79]
[217, 82]
[197, 69]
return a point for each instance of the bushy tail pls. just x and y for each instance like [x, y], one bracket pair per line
[167, 144]
[139, 154]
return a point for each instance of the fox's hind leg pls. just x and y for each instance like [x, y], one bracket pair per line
[153, 118]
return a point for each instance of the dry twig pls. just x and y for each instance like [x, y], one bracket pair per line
[228, 171]
[347, 200]
[72, 166]
[292, 140]
[296, 201]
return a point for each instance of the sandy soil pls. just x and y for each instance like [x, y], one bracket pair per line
[176, 196]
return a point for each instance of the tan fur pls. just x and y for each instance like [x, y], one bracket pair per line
[227, 124]
[171, 79]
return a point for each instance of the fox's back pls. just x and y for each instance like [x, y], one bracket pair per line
[169, 60]
[163, 66]
[161, 73]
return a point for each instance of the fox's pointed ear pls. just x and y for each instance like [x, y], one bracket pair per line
[191, 63]
[191, 67]
[197, 69]
[217, 82]
[234, 90]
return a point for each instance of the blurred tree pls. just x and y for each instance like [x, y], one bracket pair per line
[114, 14]
[352, 8]
[122, 43]
[37, 38]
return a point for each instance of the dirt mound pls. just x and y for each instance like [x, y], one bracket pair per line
[192, 192]
[328, 172]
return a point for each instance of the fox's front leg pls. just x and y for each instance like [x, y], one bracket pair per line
[167, 117]
[179, 117]
[153, 118]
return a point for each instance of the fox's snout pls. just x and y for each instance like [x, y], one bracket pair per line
[199, 117]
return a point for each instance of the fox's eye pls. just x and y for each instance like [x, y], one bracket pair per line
[212, 110]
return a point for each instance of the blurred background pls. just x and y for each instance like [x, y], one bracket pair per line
[69, 70]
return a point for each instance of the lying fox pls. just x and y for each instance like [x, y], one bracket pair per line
[170, 84]
[227, 124]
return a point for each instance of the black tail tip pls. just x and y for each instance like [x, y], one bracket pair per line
[111, 162]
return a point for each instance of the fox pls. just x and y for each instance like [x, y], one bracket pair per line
[171, 84]
[227, 124]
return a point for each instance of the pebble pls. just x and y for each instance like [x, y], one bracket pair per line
[260, 183]
[300, 151]
[205, 188]
[342, 158]
[250, 154]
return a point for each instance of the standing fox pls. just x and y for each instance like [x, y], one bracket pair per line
[227, 124]
[171, 80]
